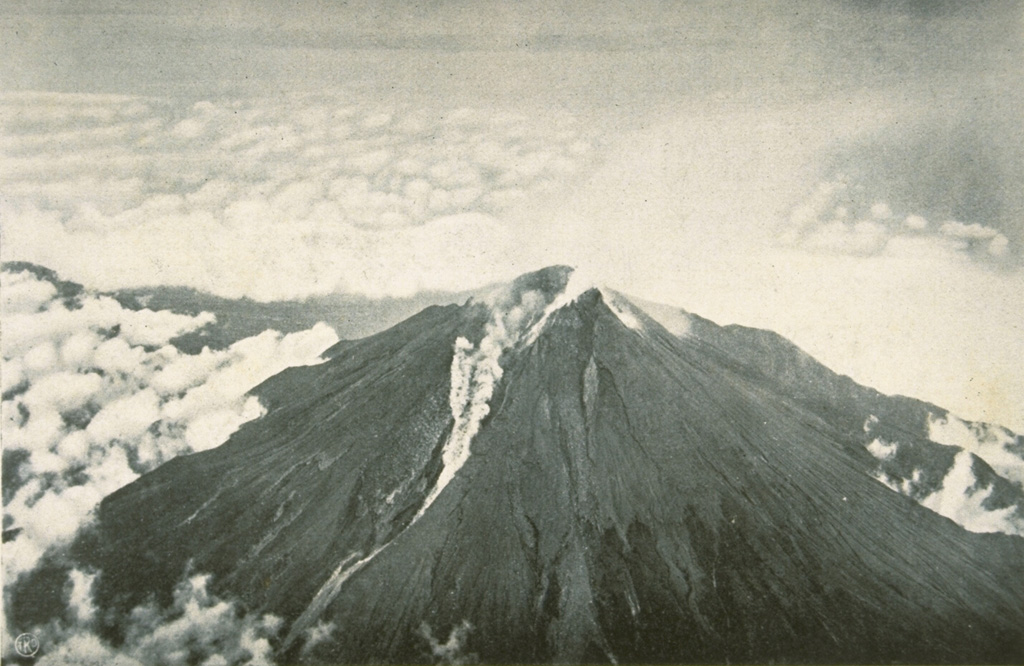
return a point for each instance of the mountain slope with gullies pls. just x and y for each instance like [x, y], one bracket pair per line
[551, 475]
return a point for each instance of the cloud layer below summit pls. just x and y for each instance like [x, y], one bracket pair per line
[271, 198]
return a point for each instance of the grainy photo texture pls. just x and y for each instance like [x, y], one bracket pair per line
[456, 331]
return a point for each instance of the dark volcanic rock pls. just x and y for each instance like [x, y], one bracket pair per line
[630, 496]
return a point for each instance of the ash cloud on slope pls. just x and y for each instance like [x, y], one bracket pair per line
[94, 396]
[476, 371]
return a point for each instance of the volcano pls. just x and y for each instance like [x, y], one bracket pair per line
[547, 474]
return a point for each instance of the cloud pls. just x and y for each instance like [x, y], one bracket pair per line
[44, 324]
[881, 211]
[476, 371]
[698, 212]
[972, 235]
[961, 499]
[453, 650]
[85, 649]
[916, 222]
[1000, 448]
[956, 491]
[197, 628]
[272, 198]
[882, 449]
[842, 218]
[126, 418]
[319, 633]
[24, 295]
[94, 396]
[968, 231]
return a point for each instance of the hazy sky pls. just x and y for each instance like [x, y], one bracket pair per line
[848, 174]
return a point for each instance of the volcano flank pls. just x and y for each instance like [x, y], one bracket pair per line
[547, 474]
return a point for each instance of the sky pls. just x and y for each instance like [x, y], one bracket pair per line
[850, 175]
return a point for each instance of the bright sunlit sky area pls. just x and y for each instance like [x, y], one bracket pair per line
[850, 175]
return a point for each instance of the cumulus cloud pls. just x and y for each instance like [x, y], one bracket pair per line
[962, 500]
[971, 235]
[1000, 448]
[94, 396]
[916, 222]
[960, 497]
[882, 449]
[270, 198]
[197, 628]
[957, 492]
[841, 218]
